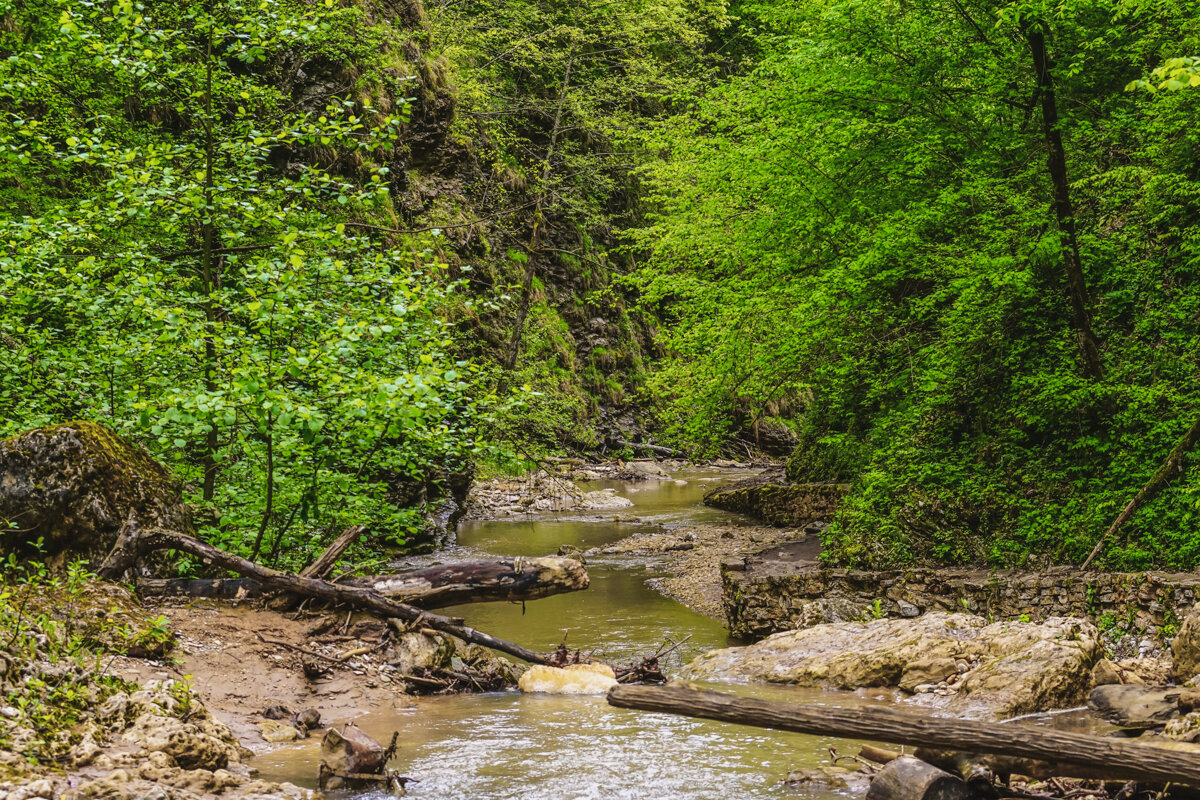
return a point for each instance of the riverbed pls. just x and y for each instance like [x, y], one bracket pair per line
[512, 745]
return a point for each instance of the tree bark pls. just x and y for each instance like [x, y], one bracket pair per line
[365, 599]
[657, 449]
[1113, 758]
[908, 778]
[1064, 211]
[323, 563]
[513, 580]
[1169, 469]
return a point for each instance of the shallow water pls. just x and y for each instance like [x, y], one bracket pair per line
[509, 745]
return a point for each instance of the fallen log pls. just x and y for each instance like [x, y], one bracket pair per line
[125, 552]
[657, 449]
[323, 563]
[1113, 758]
[512, 579]
[908, 778]
[498, 580]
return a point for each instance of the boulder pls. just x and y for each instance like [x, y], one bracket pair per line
[1186, 648]
[75, 486]
[1001, 669]
[1136, 708]
[413, 651]
[642, 471]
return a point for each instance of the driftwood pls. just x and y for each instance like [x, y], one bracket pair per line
[1114, 758]
[504, 579]
[908, 778]
[323, 563]
[366, 599]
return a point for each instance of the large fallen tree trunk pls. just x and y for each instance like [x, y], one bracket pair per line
[497, 580]
[126, 551]
[1114, 758]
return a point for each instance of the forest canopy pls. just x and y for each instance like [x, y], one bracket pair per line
[312, 253]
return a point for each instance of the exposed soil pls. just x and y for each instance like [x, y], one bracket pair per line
[240, 676]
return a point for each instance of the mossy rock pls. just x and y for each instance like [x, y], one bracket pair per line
[74, 486]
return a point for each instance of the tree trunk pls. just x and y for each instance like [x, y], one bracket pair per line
[1112, 758]
[513, 580]
[365, 599]
[323, 563]
[1169, 469]
[908, 778]
[1056, 162]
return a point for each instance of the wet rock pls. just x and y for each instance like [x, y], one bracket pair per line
[74, 486]
[815, 778]
[1018, 667]
[275, 731]
[1135, 707]
[309, 719]
[414, 651]
[572, 679]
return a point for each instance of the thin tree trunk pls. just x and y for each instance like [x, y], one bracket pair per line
[1056, 162]
[514, 346]
[1169, 469]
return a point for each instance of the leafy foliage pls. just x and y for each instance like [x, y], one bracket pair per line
[859, 231]
[188, 259]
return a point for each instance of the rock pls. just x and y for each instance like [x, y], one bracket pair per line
[1105, 673]
[572, 679]
[908, 610]
[825, 778]
[1135, 707]
[1021, 667]
[642, 471]
[206, 744]
[277, 712]
[1186, 648]
[74, 486]
[414, 650]
[275, 731]
[926, 670]
[309, 719]
[1145, 671]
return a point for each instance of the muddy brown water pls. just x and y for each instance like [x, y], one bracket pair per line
[512, 745]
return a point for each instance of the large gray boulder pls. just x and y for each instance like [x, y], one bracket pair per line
[967, 665]
[74, 487]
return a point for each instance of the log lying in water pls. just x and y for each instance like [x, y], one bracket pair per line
[133, 543]
[1114, 758]
[498, 580]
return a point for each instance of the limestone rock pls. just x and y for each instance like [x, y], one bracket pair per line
[572, 679]
[414, 650]
[642, 471]
[275, 731]
[1186, 648]
[74, 486]
[1105, 673]
[1011, 667]
[1135, 707]
[202, 745]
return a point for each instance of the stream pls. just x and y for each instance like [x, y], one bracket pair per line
[513, 745]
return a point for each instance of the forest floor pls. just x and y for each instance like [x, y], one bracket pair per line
[221, 648]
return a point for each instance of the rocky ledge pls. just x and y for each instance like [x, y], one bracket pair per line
[957, 663]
